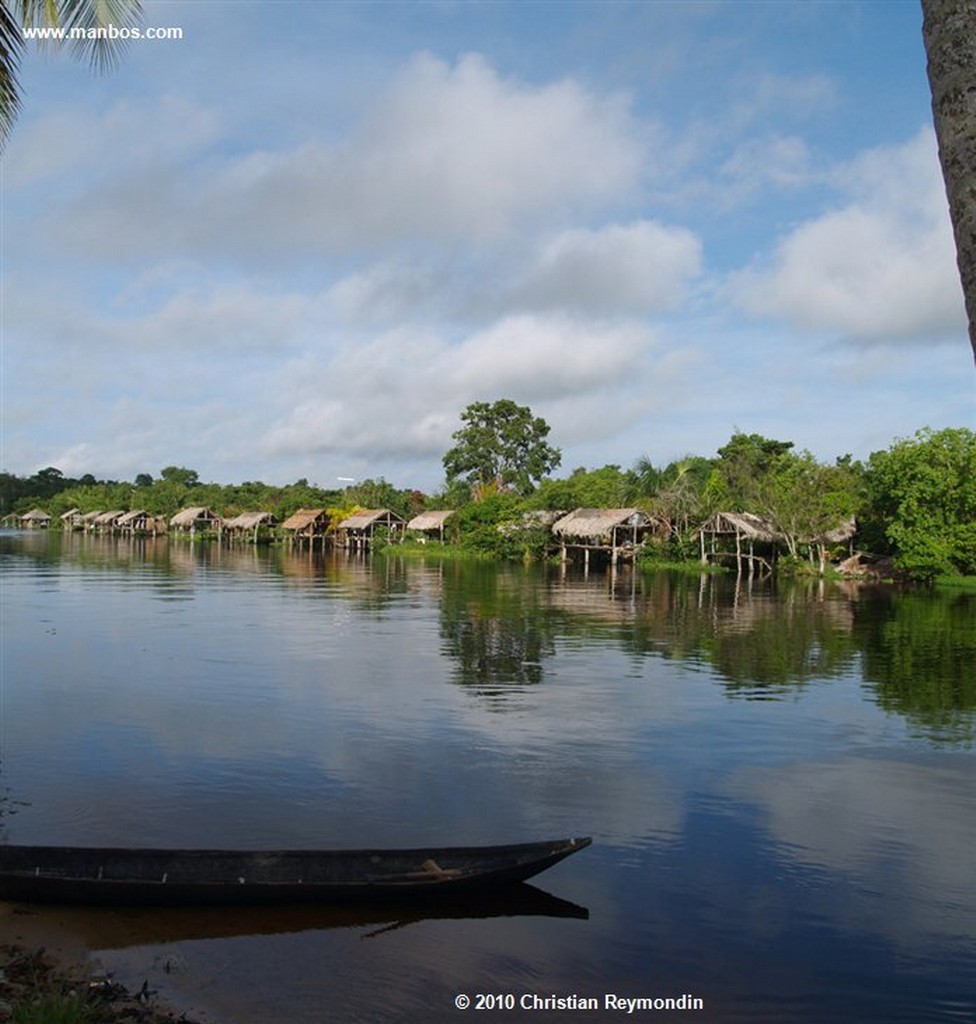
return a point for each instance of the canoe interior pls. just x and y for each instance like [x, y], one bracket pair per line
[158, 876]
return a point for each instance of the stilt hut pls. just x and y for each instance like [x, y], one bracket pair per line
[251, 526]
[745, 529]
[618, 532]
[359, 529]
[104, 522]
[308, 524]
[196, 520]
[132, 522]
[88, 519]
[430, 525]
[72, 519]
[36, 519]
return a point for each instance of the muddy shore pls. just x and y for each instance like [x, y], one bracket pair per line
[41, 956]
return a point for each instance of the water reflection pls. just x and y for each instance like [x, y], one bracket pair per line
[778, 778]
[501, 626]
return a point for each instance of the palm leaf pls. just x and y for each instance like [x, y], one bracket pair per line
[84, 16]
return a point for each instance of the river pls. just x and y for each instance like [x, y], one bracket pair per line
[778, 779]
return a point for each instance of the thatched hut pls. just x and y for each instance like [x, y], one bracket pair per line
[430, 524]
[307, 524]
[196, 519]
[359, 529]
[87, 521]
[745, 529]
[72, 519]
[105, 521]
[250, 525]
[619, 532]
[36, 519]
[132, 521]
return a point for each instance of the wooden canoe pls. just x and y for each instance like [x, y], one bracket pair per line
[143, 877]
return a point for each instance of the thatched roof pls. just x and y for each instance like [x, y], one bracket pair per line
[190, 516]
[36, 515]
[108, 518]
[593, 523]
[367, 517]
[248, 520]
[539, 518]
[746, 524]
[304, 518]
[72, 513]
[430, 520]
[131, 517]
[841, 532]
[90, 517]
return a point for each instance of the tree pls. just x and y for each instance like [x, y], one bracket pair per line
[745, 464]
[810, 503]
[501, 446]
[949, 31]
[85, 25]
[180, 475]
[922, 495]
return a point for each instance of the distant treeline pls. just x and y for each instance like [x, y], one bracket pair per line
[914, 501]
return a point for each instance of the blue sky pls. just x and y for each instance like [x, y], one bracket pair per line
[300, 240]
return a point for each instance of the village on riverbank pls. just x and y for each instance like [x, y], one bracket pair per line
[757, 508]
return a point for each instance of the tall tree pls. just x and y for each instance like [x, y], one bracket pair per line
[84, 27]
[922, 492]
[949, 31]
[501, 445]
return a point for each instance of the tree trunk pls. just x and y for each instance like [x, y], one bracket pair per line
[949, 31]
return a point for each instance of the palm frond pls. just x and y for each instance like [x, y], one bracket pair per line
[11, 47]
[91, 19]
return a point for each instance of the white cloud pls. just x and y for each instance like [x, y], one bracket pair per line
[642, 267]
[880, 267]
[399, 393]
[778, 161]
[450, 153]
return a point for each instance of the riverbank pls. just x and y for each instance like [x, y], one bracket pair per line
[47, 977]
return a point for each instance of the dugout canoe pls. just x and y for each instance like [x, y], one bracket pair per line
[153, 877]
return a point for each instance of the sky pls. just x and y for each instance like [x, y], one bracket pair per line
[299, 241]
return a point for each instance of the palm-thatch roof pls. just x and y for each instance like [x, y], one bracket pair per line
[72, 515]
[534, 519]
[743, 524]
[596, 523]
[433, 520]
[367, 517]
[250, 520]
[305, 519]
[189, 517]
[841, 532]
[108, 518]
[132, 518]
[36, 515]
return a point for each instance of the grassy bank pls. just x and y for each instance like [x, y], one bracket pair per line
[36, 988]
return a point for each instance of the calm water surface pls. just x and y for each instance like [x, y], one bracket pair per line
[779, 781]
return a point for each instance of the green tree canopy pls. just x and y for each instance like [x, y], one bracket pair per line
[922, 493]
[501, 445]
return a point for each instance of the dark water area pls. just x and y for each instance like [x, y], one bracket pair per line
[779, 780]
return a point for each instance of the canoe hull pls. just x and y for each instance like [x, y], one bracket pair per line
[151, 877]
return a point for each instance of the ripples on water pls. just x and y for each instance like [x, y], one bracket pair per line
[778, 781]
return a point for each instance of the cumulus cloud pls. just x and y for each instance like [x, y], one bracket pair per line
[399, 393]
[881, 266]
[617, 270]
[643, 267]
[451, 152]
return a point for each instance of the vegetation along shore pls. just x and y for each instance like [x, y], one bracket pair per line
[907, 512]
